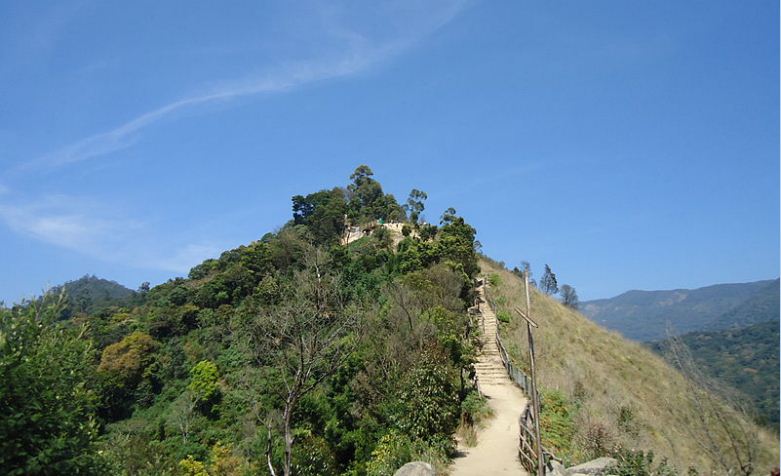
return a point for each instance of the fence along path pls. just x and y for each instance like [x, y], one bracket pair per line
[496, 452]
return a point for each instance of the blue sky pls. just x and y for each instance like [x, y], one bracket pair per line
[630, 145]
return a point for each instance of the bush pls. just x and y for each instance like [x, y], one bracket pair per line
[503, 316]
[392, 452]
[597, 440]
[638, 463]
[474, 408]
[557, 423]
[429, 402]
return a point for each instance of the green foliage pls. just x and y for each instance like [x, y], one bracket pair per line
[367, 202]
[206, 359]
[323, 213]
[314, 457]
[48, 399]
[557, 423]
[494, 279]
[192, 467]
[90, 294]
[504, 316]
[745, 359]
[127, 359]
[474, 408]
[204, 381]
[428, 399]
[415, 205]
[392, 452]
[639, 463]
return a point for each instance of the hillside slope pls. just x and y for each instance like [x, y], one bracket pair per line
[744, 358]
[611, 391]
[647, 315]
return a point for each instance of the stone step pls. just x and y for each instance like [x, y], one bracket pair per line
[498, 375]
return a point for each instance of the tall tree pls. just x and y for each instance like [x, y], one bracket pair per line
[304, 337]
[415, 205]
[568, 296]
[548, 282]
[448, 216]
[323, 213]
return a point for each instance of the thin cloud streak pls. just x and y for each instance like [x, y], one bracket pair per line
[362, 57]
[84, 227]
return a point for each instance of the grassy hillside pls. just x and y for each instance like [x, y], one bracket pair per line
[745, 359]
[603, 391]
[647, 315]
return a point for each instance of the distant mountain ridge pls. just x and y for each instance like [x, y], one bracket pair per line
[90, 293]
[647, 315]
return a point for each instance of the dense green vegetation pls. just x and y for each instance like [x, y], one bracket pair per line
[89, 294]
[649, 315]
[294, 352]
[744, 360]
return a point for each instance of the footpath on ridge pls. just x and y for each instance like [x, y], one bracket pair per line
[496, 452]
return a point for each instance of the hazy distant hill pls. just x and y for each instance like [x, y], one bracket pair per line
[89, 293]
[646, 315]
[745, 359]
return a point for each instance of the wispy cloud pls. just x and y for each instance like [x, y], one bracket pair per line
[83, 226]
[357, 53]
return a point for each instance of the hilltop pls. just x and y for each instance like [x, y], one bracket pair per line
[604, 390]
[647, 315]
[340, 344]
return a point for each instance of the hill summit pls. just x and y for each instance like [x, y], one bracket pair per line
[312, 351]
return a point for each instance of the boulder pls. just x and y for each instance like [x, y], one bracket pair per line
[416, 468]
[555, 469]
[597, 466]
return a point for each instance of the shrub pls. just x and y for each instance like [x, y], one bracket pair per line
[392, 451]
[204, 381]
[192, 467]
[474, 408]
[429, 402]
[314, 457]
[638, 463]
[557, 423]
[597, 440]
[503, 316]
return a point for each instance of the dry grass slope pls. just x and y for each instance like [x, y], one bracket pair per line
[606, 373]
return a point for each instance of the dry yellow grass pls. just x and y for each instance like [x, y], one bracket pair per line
[607, 372]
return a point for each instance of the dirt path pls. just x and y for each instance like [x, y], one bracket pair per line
[497, 444]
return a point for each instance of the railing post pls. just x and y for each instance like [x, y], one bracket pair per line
[534, 395]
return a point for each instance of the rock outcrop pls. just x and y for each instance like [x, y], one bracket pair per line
[416, 468]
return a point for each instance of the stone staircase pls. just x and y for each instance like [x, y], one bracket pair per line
[489, 368]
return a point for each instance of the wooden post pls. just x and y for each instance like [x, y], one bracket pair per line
[534, 395]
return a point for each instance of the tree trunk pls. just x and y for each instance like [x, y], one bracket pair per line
[288, 436]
